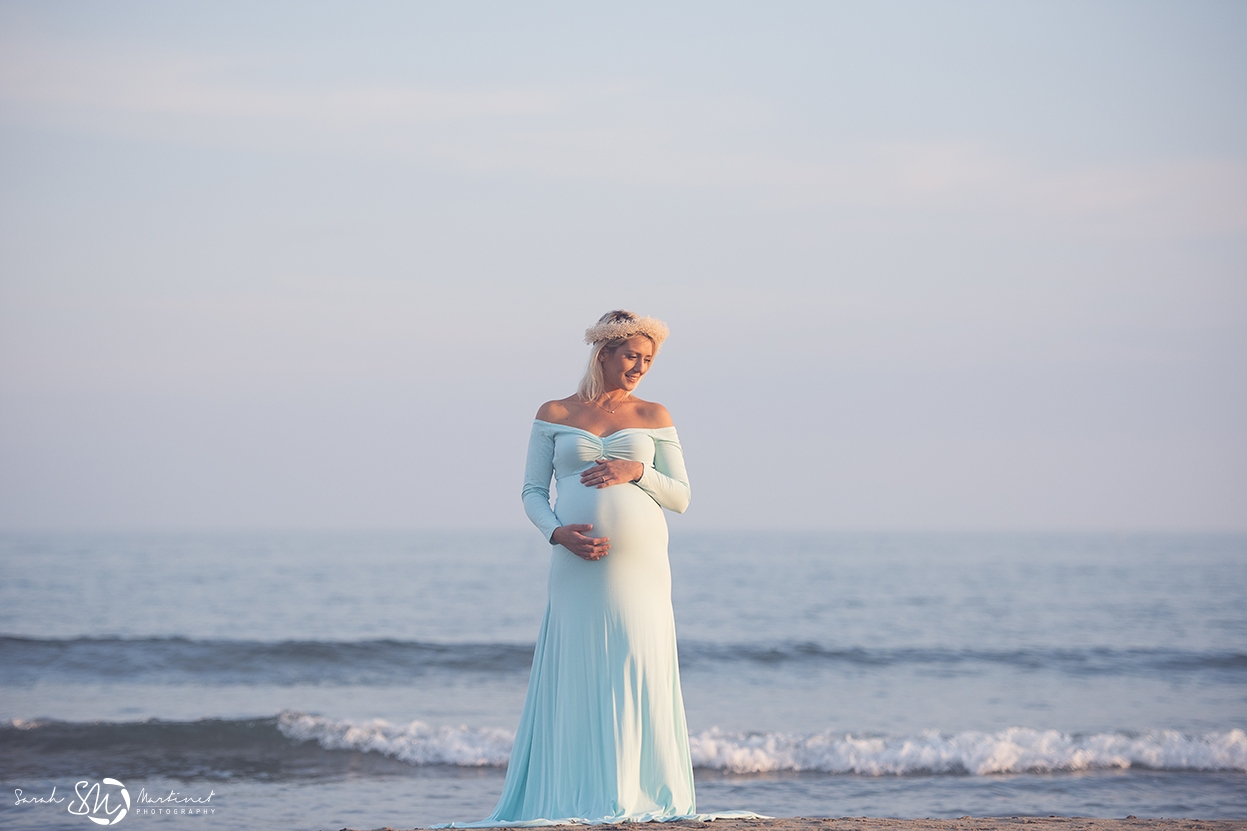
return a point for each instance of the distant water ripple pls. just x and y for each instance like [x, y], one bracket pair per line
[381, 661]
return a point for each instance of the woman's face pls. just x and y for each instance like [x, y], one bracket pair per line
[623, 367]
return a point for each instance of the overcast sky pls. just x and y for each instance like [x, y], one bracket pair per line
[926, 265]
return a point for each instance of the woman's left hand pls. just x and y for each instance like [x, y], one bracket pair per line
[607, 472]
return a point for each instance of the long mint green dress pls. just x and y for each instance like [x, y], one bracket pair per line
[602, 737]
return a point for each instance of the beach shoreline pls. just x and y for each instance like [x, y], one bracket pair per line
[1018, 823]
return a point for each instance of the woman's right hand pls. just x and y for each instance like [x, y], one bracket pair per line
[572, 538]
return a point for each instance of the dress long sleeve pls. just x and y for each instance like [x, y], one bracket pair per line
[537, 475]
[667, 481]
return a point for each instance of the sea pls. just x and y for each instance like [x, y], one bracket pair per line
[351, 679]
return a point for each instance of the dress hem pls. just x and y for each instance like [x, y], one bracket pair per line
[537, 823]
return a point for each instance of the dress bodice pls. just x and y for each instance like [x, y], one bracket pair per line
[576, 449]
[560, 450]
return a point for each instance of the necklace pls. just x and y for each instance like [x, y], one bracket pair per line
[612, 412]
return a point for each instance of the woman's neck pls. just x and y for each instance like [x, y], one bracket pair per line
[612, 399]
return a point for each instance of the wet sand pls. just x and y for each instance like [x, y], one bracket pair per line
[962, 824]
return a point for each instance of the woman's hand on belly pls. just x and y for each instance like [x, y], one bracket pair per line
[607, 472]
[572, 538]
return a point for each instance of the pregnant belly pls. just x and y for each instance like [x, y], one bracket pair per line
[624, 513]
[631, 582]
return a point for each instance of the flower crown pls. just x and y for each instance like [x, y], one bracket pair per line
[619, 325]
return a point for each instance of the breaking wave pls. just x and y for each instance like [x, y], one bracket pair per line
[295, 745]
[1016, 750]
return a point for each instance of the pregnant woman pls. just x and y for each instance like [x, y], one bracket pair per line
[602, 738]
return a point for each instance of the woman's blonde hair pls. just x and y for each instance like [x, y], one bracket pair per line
[608, 334]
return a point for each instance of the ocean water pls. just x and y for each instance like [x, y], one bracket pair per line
[365, 679]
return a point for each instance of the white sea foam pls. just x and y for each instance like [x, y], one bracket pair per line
[1016, 750]
[416, 742]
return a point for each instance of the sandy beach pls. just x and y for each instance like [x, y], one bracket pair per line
[961, 824]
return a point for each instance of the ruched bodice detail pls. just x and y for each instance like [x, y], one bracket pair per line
[578, 449]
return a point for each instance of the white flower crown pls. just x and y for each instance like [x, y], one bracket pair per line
[652, 328]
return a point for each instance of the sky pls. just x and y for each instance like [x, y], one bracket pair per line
[958, 266]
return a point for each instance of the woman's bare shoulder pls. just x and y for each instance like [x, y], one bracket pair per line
[653, 414]
[557, 412]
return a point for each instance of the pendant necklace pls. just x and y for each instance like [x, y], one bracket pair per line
[603, 406]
